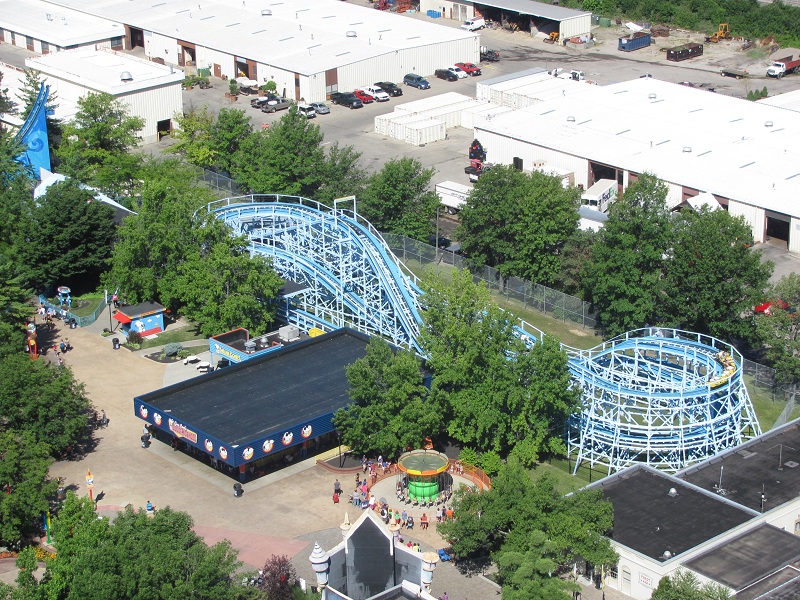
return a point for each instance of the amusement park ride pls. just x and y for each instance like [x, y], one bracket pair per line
[662, 397]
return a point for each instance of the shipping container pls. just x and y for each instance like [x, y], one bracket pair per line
[481, 113]
[431, 103]
[684, 52]
[635, 41]
[453, 195]
[420, 133]
[450, 115]
[397, 127]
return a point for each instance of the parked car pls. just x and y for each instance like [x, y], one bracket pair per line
[363, 96]
[276, 105]
[474, 24]
[376, 92]
[390, 88]
[470, 69]
[458, 71]
[246, 90]
[417, 81]
[307, 110]
[321, 108]
[446, 74]
[765, 308]
[489, 55]
[346, 99]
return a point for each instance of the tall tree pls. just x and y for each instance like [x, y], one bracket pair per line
[224, 287]
[7, 105]
[390, 410]
[285, 159]
[227, 132]
[194, 137]
[13, 309]
[67, 239]
[624, 275]
[136, 556]
[712, 276]
[575, 255]
[397, 199]
[95, 144]
[779, 328]
[342, 175]
[518, 223]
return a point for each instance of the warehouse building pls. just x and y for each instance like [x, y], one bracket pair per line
[44, 27]
[744, 154]
[309, 48]
[149, 90]
[529, 16]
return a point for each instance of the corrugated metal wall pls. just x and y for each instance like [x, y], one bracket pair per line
[581, 25]
[755, 216]
[794, 235]
[458, 11]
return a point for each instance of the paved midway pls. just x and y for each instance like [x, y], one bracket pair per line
[283, 513]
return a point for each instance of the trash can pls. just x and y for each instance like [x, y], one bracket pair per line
[73, 324]
[238, 490]
[115, 343]
[145, 440]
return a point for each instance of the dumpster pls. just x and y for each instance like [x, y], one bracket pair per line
[204, 72]
[632, 42]
[115, 343]
[238, 490]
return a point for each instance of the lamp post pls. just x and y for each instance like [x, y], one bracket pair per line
[436, 242]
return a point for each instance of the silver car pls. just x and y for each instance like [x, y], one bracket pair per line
[320, 107]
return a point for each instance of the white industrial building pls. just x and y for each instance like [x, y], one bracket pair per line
[309, 48]
[534, 17]
[46, 27]
[149, 90]
[743, 153]
[733, 519]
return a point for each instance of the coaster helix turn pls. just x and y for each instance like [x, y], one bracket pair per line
[663, 397]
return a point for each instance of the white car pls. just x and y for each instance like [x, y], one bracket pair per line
[460, 73]
[376, 92]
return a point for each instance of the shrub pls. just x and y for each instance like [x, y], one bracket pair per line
[185, 353]
[468, 456]
[172, 349]
[134, 337]
[490, 462]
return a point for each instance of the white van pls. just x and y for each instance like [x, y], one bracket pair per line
[474, 24]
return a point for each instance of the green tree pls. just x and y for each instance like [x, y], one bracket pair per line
[7, 105]
[224, 288]
[14, 309]
[153, 243]
[684, 585]
[46, 402]
[136, 556]
[779, 330]
[533, 573]
[194, 137]
[712, 276]
[624, 275]
[285, 159]
[575, 255]
[227, 132]
[24, 484]
[67, 239]
[397, 199]
[342, 175]
[95, 144]
[390, 410]
[518, 223]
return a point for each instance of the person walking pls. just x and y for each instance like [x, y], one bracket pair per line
[104, 420]
[337, 487]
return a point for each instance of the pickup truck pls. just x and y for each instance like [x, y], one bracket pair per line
[346, 99]
[470, 69]
[488, 55]
[276, 105]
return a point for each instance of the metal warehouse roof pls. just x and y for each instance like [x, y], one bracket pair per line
[788, 100]
[100, 70]
[536, 9]
[305, 36]
[745, 151]
[54, 25]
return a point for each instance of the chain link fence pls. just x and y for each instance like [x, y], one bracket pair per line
[546, 300]
[224, 185]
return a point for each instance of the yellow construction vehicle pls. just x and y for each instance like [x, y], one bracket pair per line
[724, 33]
[552, 38]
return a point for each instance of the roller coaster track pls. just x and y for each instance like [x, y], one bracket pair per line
[658, 396]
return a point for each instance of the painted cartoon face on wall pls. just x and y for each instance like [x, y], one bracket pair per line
[143, 412]
[157, 419]
[268, 445]
[287, 438]
[306, 431]
[248, 453]
[209, 445]
[223, 453]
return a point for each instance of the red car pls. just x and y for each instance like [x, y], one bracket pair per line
[469, 68]
[765, 307]
[363, 96]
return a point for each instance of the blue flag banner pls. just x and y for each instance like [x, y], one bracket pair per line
[33, 134]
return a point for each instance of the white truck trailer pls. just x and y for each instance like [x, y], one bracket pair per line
[600, 195]
[452, 195]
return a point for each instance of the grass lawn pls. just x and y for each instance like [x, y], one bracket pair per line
[184, 334]
[568, 333]
[767, 409]
[82, 306]
[566, 482]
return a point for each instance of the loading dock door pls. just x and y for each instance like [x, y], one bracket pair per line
[778, 228]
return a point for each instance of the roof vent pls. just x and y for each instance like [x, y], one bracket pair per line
[768, 124]
[266, 12]
[686, 149]
[126, 76]
[570, 119]
[651, 96]
[667, 555]
[672, 491]
[351, 33]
